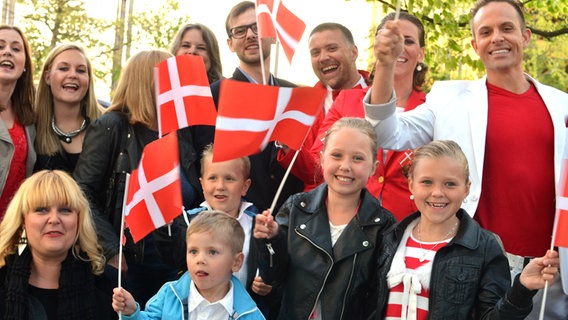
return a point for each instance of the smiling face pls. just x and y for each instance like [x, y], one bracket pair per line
[51, 231]
[211, 262]
[333, 59]
[68, 77]
[347, 161]
[412, 53]
[499, 38]
[224, 184]
[247, 48]
[193, 43]
[439, 186]
[12, 55]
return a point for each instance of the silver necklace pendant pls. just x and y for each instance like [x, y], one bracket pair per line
[67, 137]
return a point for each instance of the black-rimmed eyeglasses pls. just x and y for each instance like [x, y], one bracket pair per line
[241, 31]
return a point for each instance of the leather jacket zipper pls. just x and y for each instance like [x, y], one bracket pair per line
[328, 271]
[348, 286]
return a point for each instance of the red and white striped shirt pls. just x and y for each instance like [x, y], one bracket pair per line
[408, 296]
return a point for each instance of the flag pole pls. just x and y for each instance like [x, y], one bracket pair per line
[281, 186]
[262, 67]
[122, 236]
[545, 291]
[157, 88]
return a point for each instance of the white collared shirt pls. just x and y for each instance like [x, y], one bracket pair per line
[201, 309]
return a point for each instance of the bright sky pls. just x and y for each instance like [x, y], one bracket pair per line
[355, 14]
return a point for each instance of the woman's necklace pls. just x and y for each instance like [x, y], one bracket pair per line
[67, 137]
[425, 251]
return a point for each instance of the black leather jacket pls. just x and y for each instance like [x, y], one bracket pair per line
[112, 148]
[342, 277]
[470, 276]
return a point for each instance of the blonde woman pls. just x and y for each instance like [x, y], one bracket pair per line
[50, 262]
[65, 106]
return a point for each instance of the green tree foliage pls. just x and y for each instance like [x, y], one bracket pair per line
[448, 39]
[157, 28]
[48, 23]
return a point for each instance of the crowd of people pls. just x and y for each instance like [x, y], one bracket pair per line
[402, 204]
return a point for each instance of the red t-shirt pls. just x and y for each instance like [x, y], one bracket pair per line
[17, 172]
[518, 190]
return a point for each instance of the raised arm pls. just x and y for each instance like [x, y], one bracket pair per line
[388, 46]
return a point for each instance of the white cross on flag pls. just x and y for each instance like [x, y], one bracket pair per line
[560, 233]
[251, 115]
[183, 94]
[154, 190]
[276, 21]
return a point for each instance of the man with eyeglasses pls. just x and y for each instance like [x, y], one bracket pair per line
[266, 174]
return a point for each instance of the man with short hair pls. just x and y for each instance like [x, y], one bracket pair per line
[266, 173]
[333, 55]
[511, 128]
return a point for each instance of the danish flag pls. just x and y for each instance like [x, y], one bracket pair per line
[276, 21]
[251, 115]
[560, 233]
[183, 94]
[154, 188]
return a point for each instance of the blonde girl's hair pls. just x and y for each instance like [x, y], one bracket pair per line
[358, 124]
[135, 94]
[220, 224]
[43, 189]
[47, 141]
[437, 149]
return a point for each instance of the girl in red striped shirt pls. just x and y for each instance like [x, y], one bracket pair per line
[438, 263]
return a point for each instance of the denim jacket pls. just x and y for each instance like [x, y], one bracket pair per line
[470, 276]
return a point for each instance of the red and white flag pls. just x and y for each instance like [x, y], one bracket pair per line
[251, 115]
[154, 189]
[183, 94]
[560, 233]
[276, 21]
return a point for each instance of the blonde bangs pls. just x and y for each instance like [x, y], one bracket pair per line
[58, 191]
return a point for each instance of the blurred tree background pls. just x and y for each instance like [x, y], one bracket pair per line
[48, 23]
[449, 55]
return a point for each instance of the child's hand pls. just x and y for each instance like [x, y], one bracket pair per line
[123, 302]
[540, 270]
[260, 288]
[265, 227]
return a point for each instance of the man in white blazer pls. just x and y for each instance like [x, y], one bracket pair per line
[511, 128]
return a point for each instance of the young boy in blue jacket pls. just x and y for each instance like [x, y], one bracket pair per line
[214, 251]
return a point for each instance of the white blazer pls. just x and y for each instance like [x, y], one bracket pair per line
[457, 110]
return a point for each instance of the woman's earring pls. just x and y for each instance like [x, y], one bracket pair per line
[411, 197]
[22, 243]
[464, 200]
[419, 67]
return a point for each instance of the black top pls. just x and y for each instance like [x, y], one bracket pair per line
[43, 303]
[60, 161]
